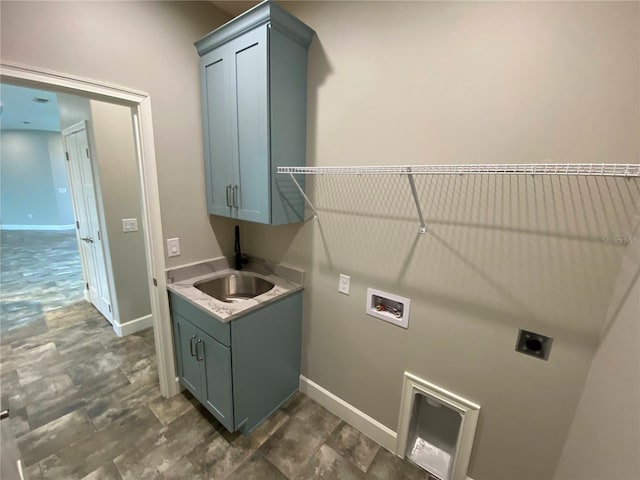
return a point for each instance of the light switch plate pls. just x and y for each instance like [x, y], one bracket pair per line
[129, 225]
[173, 247]
[344, 284]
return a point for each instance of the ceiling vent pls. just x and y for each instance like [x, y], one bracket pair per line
[41, 100]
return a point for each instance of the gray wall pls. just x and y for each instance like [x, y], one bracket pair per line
[604, 440]
[455, 82]
[117, 169]
[72, 109]
[401, 83]
[116, 172]
[32, 172]
[146, 46]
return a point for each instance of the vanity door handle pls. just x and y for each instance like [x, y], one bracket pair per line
[197, 357]
[235, 196]
[228, 192]
[191, 348]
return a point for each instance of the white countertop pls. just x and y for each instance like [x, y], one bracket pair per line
[181, 281]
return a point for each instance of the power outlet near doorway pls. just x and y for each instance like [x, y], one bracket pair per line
[173, 247]
[344, 284]
[129, 225]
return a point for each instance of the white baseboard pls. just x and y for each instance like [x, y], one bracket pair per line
[38, 227]
[350, 414]
[132, 326]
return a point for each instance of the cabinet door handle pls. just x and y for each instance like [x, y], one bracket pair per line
[197, 357]
[235, 196]
[228, 192]
[191, 347]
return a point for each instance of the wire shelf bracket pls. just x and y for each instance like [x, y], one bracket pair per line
[625, 170]
[304, 195]
[414, 192]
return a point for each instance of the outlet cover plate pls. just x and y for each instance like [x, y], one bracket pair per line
[344, 284]
[173, 247]
[129, 225]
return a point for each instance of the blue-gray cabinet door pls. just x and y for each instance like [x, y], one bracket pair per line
[250, 124]
[186, 337]
[218, 143]
[217, 393]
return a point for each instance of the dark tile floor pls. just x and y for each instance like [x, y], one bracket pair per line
[85, 404]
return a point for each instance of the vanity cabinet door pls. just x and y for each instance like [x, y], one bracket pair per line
[216, 71]
[217, 393]
[250, 124]
[186, 338]
[236, 123]
[254, 95]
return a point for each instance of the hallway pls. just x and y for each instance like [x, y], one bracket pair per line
[39, 271]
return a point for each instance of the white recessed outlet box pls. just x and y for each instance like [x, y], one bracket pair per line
[344, 284]
[173, 247]
[129, 225]
[436, 428]
[388, 307]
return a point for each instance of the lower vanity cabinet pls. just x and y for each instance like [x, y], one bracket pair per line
[204, 368]
[241, 371]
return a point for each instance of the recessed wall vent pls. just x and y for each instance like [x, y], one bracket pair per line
[436, 428]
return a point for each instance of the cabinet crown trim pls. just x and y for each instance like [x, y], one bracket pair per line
[266, 12]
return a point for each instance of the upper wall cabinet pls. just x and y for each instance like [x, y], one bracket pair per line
[254, 110]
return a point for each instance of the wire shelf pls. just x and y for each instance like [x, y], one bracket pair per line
[626, 170]
[581, 169]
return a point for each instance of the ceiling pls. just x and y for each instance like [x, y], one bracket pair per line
[18, 107]
[234, 8]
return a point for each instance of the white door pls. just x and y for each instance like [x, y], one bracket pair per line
[90, 238]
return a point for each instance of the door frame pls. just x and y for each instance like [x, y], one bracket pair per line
[140, 103]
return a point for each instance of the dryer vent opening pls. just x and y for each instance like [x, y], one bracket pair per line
[436, 428]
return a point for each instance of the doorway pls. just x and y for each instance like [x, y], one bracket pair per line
[69, 163]
[140, 104]
[40, 263]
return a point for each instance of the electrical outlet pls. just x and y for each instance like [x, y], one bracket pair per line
[344, 284]
[534, 344]
[129, 225]
[173, 247]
